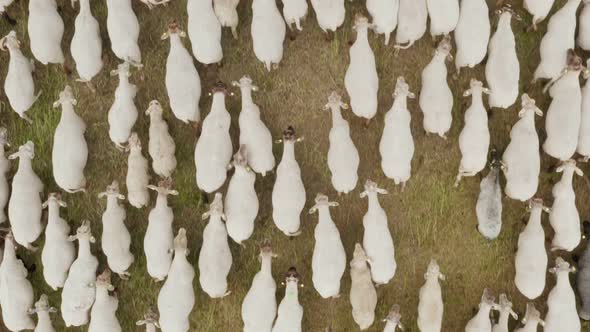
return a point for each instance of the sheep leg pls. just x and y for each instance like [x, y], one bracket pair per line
[226, 293]
[387, 36]
[26, 118]
[298, 25]
[91, 87]
[124, 275]
[366, 125]
[234, 32]
[66, 69]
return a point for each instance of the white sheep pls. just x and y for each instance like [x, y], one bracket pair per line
[444, 16]
[363, 296]
[4, 168]
[565, 111]
[16, 292]
[78, 295]
[24, 207]
[158, 242]
[215, 258]
[328, 260]
[137, 178]
[123, 113]
[343, 157]
[505, 309]
[150, 320]
[330, 14]
[361, 80]
[539, 9]
[177, 298]
[86, 44]
[259, 307]
[481, 321]
[584, 30]
[42, 310]
[161, 144]
[521, 158]
[474, 139]
[45, 28]
[561, 301]
[58, 253]
[116, 239]
[384, 16]
[103, 314]
[430, 304]
[436, 98]
[123, 30]
[227, 14]
[290, 312]
[70, 151]
[253, 132]
[563, 216]
[19, 86]
[294, 11]
[183, 83]
[502, 67]
[204, 31]
[583, 147]
[288, 192]
[392, 321]
[489, 202]
[214, 148]
[268, 32]
[530, 260]
[531, 319]
[556, 42]
[411, 22]
[472, 33]
[377, 239]
[241, 200]
[397, 144]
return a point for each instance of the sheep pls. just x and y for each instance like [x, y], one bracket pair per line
[472, 33]
[411, 22]
[583, 277]
[161, 145]
[288, 192]
[254, 134]
[531, 319]
[70, 151]
[123, 113]
[19, 86]
[86, 44]
[268, 33]
[204, 31]
[16, 292]
[583, 147]
[42, 310]
[102, 316]
[150, 320]
[116, 239]
[584, 30]
[158, 242]
[539, 9]
[521, 158]
[436, 98]
[481, 321]
[489, 202]
[24, 207]
[241, 200]
[45, 28]
[502, 67]
[137, 178]
[77, 296]
[444, 16]
[213, 151]
[329, 258]
[530, 260]
[363, 296]
[505, 309]
[227, 14]
[430, 304]
[565, 111]
[259, 307]
[123, 30]
[58, 253]
[330, 15]
[556, 42]
[561, 301]
[563, 216]
[384, 16]
[392, 321]
[183, 83]
[377, 239]
[290, 312]
[177, 298]
[474, 139]
[294, 11]
[361, 80]
[343, 157]
[4, 168]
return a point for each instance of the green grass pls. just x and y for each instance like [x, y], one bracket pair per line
[429, 219]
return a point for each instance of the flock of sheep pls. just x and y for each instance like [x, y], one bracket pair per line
[86, 298]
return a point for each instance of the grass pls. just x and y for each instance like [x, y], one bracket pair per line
[429, 219]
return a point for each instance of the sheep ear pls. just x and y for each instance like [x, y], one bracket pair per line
[182, 34]
[363, 194]
[111, 288]
[14, 155]
[255, 88]
[92, 239]
[205, 215]
[72, 238]
[552, 270]
[313, 209]
[152, 187]
[140, 322]
[31, 311]
[411, 95]
[279, 141]
[102, 194]
[538, 111]
[74, 102]
[56, 104]
[173, 192]
[578, 171]
[63, 204]
[467, 93]
[559, 169]
[487, 91]
[52, 309]
[344, 106]
[334, 204]
[121, 196]
[44, 205]
[235, 83]
[442, 277]
[300, 139]
[114, 72]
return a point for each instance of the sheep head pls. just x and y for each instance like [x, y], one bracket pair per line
[219, 87]
[164, 187]
[134, 143]
[241, 158]
[123, 70]
[245, 83]
[42, 305]
[335, 101]
[371, 188]
[394, 316]
[445, 47]
[112, 191]
[532, 314]
[292, 275]
[506, 306]
[289, 135]
[65, 97]
[476, 86]
[84, 232]
[150, 317]
[561, 266]
[3, 137]
[181, 241]
[359, 257]
[487, 298]
[507, 9]
[104, 280]
[54, 198]
[529, 104]
[173, 29]
[569, 164]
[26, 150]
[537, 203]
[9, 41]
[433, 271]
[154, 108]
[215, 208]
[266, 250]
[321, 200]
[361, 21]
[402, 89]
[574, 62]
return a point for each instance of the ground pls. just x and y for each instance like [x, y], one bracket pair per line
[430, 219]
